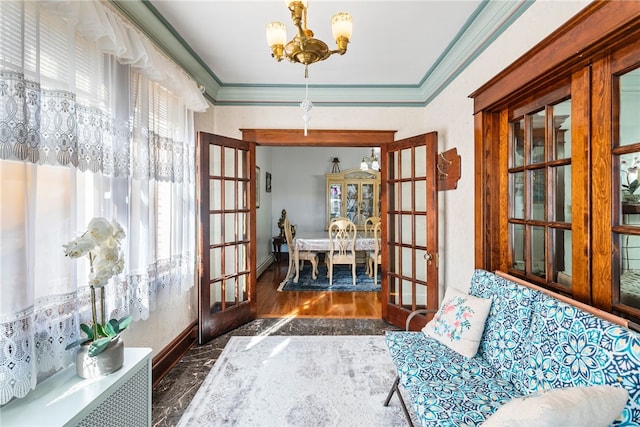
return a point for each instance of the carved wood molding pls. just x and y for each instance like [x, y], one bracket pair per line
[319, 138]
[588, 35]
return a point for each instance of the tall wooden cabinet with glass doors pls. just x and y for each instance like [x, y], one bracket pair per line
[354, 194]
[558, 162]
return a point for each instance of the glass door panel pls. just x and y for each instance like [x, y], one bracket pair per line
[562, 193]
[538, 245]
[630, 269]
[215, 156]
[538, 194]
[517, 149]
[406, 229]
[629, 94]
[562, 130]
[516, 189]
[562, 257]
[537, 121]
[517, 246]
[421, 271]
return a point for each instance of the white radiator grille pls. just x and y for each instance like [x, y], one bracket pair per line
[128, 406]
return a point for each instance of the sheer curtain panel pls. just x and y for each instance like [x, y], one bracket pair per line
[94, 121]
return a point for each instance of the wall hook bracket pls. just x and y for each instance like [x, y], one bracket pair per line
[449, 171]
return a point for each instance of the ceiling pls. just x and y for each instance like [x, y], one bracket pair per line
[402, 53]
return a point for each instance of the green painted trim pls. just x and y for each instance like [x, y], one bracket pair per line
[485, 25]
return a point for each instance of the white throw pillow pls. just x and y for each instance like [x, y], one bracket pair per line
[459, 322]
[592, 406]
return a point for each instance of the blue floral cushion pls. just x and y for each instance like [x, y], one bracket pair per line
[446, 388]
[504, 342]
[570, 347]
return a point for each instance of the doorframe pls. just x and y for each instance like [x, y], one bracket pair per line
[319, 138]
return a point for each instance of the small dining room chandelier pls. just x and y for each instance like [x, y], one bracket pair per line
[370, 162]
[304, 48]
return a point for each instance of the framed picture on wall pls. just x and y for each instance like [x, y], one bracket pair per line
[257, 187]
[268, 180]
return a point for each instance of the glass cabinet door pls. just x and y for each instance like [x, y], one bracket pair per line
[367, 203]
[335, 200]
[627, 162]
[352, 209]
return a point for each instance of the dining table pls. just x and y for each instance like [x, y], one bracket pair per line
[319, 242]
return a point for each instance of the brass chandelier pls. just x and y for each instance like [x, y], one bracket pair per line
[304, 48]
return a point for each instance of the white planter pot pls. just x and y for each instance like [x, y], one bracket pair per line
[105, 363]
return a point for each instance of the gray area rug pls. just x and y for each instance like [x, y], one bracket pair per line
[298, 381]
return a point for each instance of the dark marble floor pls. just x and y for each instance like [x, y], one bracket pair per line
[173, 394]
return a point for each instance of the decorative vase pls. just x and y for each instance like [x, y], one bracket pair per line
[105, 363]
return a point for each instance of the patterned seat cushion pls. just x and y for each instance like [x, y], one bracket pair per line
[503, 343]
[446, 388]
[570, 347]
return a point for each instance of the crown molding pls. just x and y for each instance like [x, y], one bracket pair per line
[490, 20]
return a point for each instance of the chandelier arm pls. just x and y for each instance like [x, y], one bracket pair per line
[338, 51]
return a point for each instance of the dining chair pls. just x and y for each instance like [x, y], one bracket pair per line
[375, 258]
[303, 256]
[342, 247]
[369, 225]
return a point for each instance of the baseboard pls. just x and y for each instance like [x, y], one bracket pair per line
[164, 361]
[173, 352]
[264, 264]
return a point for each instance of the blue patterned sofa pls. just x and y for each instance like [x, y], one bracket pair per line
[531, 342]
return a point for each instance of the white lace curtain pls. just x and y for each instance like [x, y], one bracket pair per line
[91, 124]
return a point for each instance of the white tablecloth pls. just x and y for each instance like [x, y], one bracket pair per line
[319, 242]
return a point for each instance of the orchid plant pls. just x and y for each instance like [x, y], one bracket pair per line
[101, 244]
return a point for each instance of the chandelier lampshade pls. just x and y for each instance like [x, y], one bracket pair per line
[276, 33]
[341, 27]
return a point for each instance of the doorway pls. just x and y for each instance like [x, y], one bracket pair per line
[399, 299]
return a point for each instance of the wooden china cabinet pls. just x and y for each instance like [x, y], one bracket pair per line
[354, 194]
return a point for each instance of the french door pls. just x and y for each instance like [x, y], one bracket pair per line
[227, 282]
[409, 228]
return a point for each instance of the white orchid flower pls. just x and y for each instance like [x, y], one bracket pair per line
[100, 229]
[79, 247]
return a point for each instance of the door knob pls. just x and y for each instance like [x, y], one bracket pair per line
[428, 257]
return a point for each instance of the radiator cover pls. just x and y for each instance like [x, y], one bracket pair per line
[122, 398]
